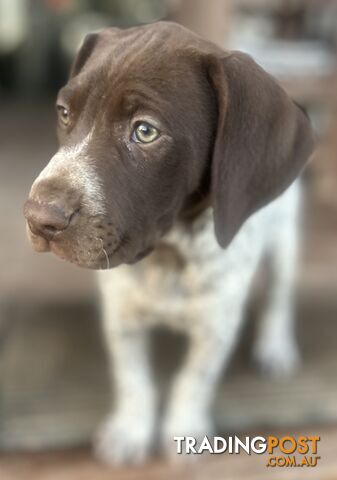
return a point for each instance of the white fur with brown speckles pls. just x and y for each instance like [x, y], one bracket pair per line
[206, 300]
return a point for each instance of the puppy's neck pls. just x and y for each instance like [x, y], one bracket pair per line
[194, 208]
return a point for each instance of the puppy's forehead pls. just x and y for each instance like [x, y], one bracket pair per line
[153, 69]
[161, 37]
[148, 51]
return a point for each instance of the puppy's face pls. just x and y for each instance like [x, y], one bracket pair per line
[152, 120]
[134, 133]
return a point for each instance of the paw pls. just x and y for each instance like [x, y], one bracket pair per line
[277, 359]
[188, 425]
[123, 440]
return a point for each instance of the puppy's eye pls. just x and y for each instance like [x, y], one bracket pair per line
[145, 133]
[63, 115]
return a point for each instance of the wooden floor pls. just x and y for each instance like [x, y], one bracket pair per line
[80, 465]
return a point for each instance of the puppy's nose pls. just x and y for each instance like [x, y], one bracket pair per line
[46, 219]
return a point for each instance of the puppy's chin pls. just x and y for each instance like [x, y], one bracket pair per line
[103, 261]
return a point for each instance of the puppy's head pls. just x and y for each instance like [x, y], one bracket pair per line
[153, 121]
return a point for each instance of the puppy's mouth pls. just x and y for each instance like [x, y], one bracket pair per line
[88, 245]
[98, 256]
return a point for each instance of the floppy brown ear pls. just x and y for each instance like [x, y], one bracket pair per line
[263, 140]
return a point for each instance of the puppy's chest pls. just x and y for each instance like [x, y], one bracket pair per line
[169, 274]
[187, 271]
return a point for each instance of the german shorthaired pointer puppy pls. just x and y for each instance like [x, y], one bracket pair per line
[170, 150]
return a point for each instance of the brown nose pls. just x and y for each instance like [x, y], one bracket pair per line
[46, 219]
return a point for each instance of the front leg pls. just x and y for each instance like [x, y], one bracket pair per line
[212, 339]
[126, 434]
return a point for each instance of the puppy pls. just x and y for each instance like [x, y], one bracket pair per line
[170, 150]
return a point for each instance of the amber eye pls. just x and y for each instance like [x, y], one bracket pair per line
[145, 133]
[63, 115]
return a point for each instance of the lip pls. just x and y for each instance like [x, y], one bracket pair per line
[38, 243]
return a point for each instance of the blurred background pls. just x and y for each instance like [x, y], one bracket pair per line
[54, 386]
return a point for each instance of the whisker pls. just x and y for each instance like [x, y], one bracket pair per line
[107, 258]
[105, 253]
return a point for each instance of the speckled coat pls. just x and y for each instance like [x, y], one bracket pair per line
[191, 284]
